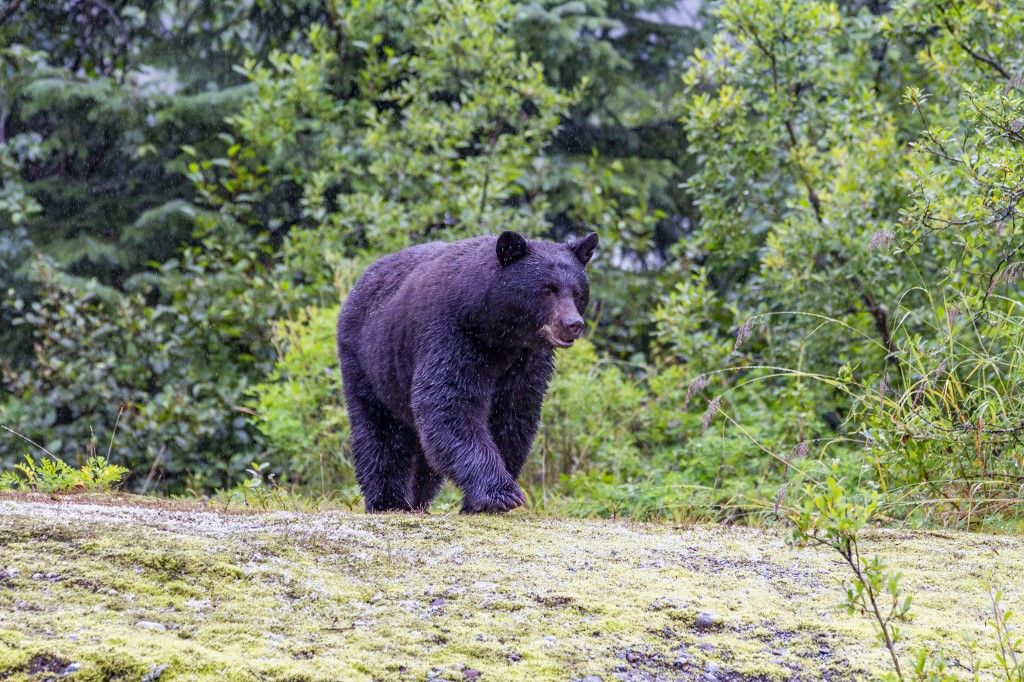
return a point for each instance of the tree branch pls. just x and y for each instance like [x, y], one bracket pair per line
[881, 318]
[4, 113]
[9, 11]
[812, 195]
[977, 56]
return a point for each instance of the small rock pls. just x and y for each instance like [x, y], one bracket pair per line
[71, 669]
[550, 640]
[470, 674]
[706, 646]
[707, 620]
[155, 671]
[150, 625]
[633, 657]
[592, 678]
[711, 668]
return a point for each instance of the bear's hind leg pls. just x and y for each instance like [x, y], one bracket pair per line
[425, 484]
[383, 451]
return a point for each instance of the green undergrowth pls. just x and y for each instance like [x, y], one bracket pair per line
[102, 588]
[52, 475]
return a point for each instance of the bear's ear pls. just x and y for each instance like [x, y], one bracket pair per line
[583, 249]
[511, 247]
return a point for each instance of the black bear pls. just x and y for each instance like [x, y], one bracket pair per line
[446, 351]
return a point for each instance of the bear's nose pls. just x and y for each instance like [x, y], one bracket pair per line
[574, 325]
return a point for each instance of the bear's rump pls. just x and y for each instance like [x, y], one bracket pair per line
[378, 326]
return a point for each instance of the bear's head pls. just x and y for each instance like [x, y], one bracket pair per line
[540, 290]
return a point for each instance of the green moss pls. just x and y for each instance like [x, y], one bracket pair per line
[125, 591]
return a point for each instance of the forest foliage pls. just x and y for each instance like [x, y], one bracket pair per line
[812, 249]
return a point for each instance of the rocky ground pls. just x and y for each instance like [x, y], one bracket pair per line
[135, 589]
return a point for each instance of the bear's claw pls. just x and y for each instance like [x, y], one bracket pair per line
[496, 501]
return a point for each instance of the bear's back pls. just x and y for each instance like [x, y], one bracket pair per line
[384, 278]
[401, 299]
[407, 276]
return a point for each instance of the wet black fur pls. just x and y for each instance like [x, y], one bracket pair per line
[445, 365]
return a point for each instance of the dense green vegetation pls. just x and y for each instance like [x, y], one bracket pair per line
[811, 260]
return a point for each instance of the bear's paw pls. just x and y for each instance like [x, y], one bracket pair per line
[497, 499]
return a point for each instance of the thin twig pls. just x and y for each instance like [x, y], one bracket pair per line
[153, 468]
[113, 434]
[26, 438]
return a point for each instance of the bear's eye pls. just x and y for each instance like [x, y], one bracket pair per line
[550, 289]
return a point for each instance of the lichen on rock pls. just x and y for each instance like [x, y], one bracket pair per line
[122, 589]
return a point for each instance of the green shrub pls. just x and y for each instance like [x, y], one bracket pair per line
[51, 475]
[300, 407]
[860, 225]
[592, 419]
[165, 380]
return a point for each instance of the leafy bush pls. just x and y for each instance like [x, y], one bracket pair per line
[157, 378]
[859, 215]
[832, 517]
[300, 408]
[592, 419]
[51, 475]
[393, 126]
[1009, 648]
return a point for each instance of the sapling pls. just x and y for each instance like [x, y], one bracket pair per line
[831, 519]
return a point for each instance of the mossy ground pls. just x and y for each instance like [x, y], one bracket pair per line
[119, 589]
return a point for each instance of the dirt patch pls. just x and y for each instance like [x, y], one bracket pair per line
[44, 667]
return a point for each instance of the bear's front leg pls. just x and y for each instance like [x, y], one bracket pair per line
[451, 399]
[516, 406]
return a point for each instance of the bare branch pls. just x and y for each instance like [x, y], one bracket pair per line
[8, 11]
